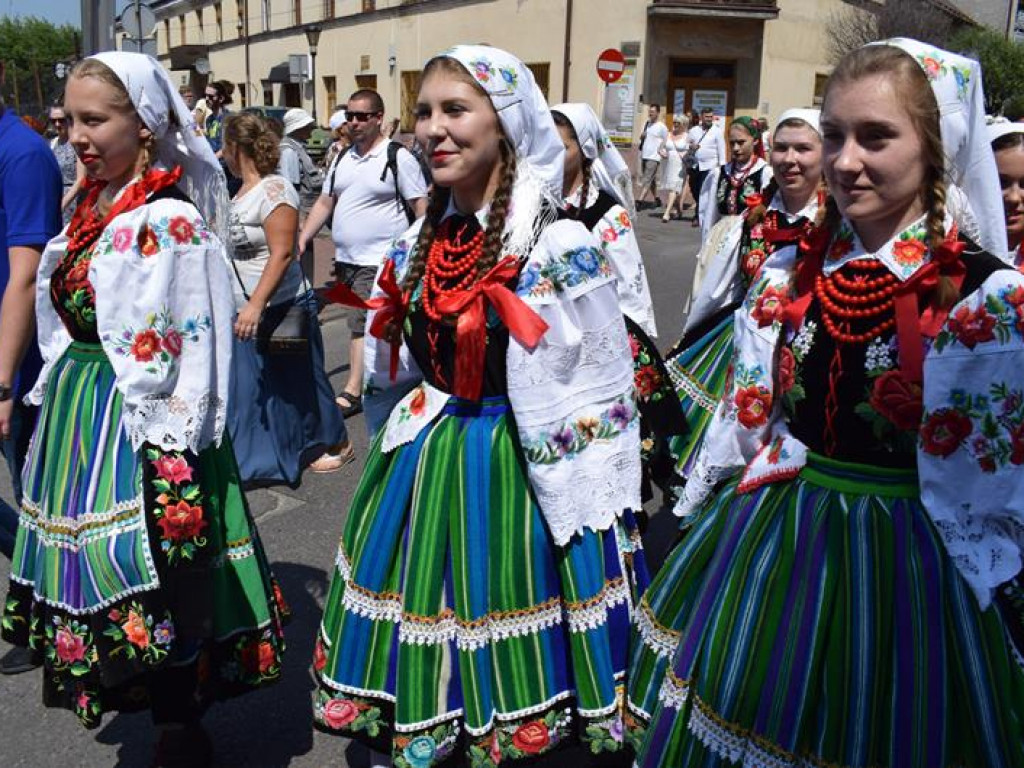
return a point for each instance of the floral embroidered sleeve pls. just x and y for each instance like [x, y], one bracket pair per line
[620, 246]
[971, 443]
[573, 394]
[747, 415]
[164, 314]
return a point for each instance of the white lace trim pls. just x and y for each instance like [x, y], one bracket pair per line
[735, 747]
[598, 493]
[492, 628]
[74, 533]
[699, 487]
[691, 388]
[985, 549]
[352, 690]
[661, 640]
[674, 692]
[174, 423]
[93, 608]
[596, 349]
[241, 552]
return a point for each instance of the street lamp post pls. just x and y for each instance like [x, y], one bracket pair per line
[313, 37]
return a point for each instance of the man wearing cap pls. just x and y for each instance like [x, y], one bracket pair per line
[366, 194]
[295, 163]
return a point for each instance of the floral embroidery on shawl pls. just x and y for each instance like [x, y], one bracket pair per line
[160, 342]
[179, 506]
[156, 235]
[568, 270]
[573, 437]
[990, 427]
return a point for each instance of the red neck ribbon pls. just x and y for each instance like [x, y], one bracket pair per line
[523, 323]
[86, 225]
[390, 310]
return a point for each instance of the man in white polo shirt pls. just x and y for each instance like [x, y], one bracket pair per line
[654, 134]
[373, 192]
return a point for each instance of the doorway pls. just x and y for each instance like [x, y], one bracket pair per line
[694, 85]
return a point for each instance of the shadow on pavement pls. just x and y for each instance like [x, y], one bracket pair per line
[266, 728]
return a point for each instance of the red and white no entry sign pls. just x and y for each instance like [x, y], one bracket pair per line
[610, 65]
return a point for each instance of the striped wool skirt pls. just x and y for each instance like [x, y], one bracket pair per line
[454, 627]
[699, 371]
[820, 622]
[129, 565]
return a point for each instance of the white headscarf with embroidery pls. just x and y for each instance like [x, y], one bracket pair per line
[527, 123]
[810, 116]
[970, 165]
[178, 141]
[607, 168]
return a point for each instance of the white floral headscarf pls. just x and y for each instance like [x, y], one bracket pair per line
[970, 165]
[180, 142]
[608, 170]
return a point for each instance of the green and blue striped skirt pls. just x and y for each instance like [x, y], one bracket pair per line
[129, 564]
[820, 622]
[699, 371]
[454, 627]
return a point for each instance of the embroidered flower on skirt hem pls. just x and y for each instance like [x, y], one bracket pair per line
[454, 625]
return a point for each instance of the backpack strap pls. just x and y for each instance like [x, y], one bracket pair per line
[392, 164]
[333, 170]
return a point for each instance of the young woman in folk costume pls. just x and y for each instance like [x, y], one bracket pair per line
[832, 603]
[596, 172]
[1007, 140]
[485, 580]
[726, 188]
[138, 578]
[785, 211]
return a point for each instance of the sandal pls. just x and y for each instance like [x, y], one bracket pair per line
[350, 404]
[333, 459]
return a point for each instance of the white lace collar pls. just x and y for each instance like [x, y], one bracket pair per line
[808, 212]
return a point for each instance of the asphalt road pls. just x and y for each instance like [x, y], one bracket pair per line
[300, 528]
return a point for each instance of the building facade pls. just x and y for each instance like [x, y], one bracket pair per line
[752, 57]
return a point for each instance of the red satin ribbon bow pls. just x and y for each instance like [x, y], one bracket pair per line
[391, 309]
[911, 324]
[811, 259]
[523, 323]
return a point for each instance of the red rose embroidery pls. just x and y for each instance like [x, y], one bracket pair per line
[172, 342]
[944, 431]
[770, 306]
[78, 274]
[319, 656]
[495, 749]
[1015, 297]
[258, 657]
[181, 230]
[148, 242]
[755, 258]
[135, 630]
[69, 646]
[646, 380]
[898, 400]
[531, 737]
[634, 346]
[753, 404]
[970, 328]
[145, 345]
[787, 371]
[340, 712]
[909, 252]
[173, 468]
[932, 68]
[418, 402]
[182, 521]
[1017, 445]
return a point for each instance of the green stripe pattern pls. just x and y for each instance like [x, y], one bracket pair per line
[453, 622]
[821, 622]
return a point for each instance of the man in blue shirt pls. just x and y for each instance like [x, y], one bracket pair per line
[30, 192]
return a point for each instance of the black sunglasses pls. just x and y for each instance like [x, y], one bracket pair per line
[359, 117]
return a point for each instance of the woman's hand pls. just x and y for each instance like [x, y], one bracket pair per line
[247, 321]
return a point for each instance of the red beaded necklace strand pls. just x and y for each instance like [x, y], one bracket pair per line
[450, 267]
[857, 297]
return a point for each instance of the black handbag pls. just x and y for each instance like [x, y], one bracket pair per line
[283, 329]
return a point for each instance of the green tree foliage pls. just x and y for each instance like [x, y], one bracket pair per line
[29, 47]
[1002, 65]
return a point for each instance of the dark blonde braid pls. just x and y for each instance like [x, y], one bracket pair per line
[436, 206]
[499, 210]
[946, 294]
[757, 213]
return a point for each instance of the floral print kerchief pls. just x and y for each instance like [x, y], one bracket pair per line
[970, 164]
[521, 107]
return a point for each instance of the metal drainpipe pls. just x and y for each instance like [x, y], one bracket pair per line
[568, 44]
[251, 101]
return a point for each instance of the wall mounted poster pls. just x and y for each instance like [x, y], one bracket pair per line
[619, 108]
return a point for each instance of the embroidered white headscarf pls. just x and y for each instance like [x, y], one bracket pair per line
[527, 123]
[607, 169]
[999, 126]
[970, 165]
[810, 116]
[178, 141]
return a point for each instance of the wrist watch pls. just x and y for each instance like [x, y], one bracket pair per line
[5, 393]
